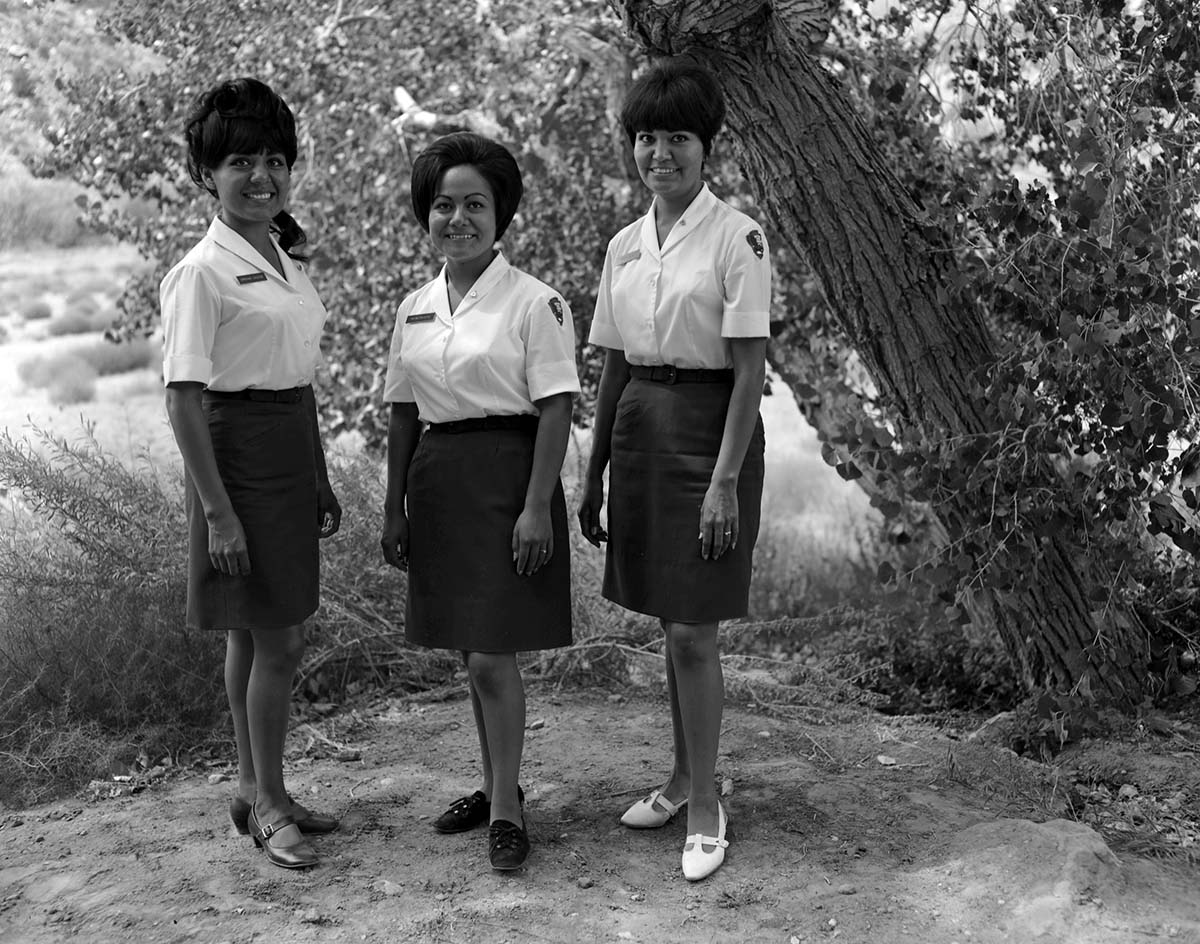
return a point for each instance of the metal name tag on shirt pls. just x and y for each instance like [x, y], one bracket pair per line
[418, 319]
[252, 277]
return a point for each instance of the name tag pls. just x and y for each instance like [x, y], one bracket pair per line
[423, 316]
[251, 277]
[633, 256]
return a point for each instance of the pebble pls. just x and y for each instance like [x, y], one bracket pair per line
[847, 890]
[1127, 792]
[348, 756]
[537, 725]
[586, 882]
[637, 896]
[217, 778]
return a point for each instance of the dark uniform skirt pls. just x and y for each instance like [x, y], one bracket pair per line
[465, 493]
[665, 442]
[264, 454]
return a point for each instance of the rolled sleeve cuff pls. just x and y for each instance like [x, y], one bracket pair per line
[546, 380]
[187, 368]
[604, 335]
[746, 324]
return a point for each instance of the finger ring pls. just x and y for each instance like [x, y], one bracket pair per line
[728, 532]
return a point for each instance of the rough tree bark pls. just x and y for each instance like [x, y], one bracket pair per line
[820, 180]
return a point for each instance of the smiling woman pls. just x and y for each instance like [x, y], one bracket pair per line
[242, 326]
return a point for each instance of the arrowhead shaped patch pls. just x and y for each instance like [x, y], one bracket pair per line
[754, 238]
[556, 309]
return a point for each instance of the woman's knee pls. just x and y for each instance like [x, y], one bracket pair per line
[491, 672]
[692, 644]
[280, 649]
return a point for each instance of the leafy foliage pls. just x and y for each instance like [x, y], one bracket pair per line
[503, 69]
[1053, 155]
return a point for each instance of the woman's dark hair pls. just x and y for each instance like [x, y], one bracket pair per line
[493, 161]
[242, 116]
[675, 95]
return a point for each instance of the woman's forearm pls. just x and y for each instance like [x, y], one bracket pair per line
[549, 449]
[613, 379]
[749, 375]
[309, 398]
[186, 414]
[404, 429]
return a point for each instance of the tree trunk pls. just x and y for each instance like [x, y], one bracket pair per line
[822, 183]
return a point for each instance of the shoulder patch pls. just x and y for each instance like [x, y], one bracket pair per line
[754, 238]
[556, 309]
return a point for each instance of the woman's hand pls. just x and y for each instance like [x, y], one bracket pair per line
[227, 544]
[589, 512]
[329, 512]
[533, 540]
[395, 540]
[719, 519]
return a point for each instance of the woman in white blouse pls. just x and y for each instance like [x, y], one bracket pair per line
[242, 327]
[683, 311]
[483, 361]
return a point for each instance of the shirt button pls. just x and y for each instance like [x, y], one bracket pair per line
[308, 343]
[302, 301]
[474, 293]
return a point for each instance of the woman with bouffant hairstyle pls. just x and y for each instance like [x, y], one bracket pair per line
[242, 326]
[481, 380]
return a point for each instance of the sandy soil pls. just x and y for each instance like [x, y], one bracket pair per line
[936, 843]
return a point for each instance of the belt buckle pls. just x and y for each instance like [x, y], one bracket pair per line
[671, 373]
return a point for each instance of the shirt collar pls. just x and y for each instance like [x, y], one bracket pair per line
[701, 205]
[228, 238]
[497, 269]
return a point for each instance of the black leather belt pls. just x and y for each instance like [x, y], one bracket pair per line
[526, 422]
[669, 374]
[291, 395]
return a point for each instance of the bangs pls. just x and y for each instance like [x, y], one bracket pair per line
[251, 136]
[674, 109]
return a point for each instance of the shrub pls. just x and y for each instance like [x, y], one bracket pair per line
[79, 319]
[36, 311]
[68, 389]
[92, 575]
[35, 211]
[67, 378]
[96, 658]
[119, 357]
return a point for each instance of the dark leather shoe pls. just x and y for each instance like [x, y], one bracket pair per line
[272, 839]
[464, 813]
[508, 845]
[468, 812]
[239, 813]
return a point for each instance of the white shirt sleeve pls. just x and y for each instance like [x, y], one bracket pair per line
[747, 310]
[549, 335]
[604, 331]
[191, 313]
[397, 387]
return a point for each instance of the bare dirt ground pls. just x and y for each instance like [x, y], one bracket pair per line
[850, 828]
